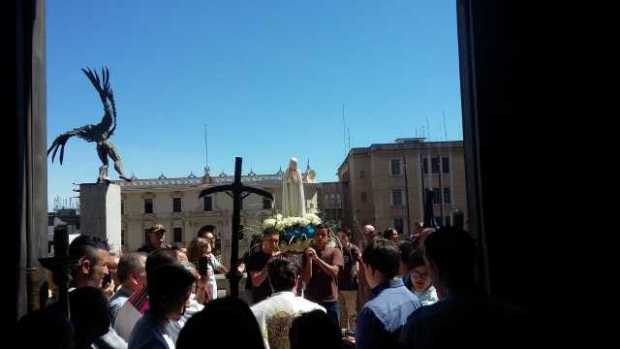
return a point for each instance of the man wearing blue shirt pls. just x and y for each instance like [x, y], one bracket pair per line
[390, 304]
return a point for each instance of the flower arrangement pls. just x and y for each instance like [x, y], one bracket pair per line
[296, 232]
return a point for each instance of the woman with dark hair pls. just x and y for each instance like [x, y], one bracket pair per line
[223, 323]
[169, 289]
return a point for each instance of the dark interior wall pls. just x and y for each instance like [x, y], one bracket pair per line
[488, 56]
[26, 142]
[508, 172]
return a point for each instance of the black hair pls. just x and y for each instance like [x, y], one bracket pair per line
[90, 315]
[167, 287]
[129, 263]
[282, 274]
[416, 259]
[406, 247]
[315, 330]
[453, 252]
[225, 322]
[206, 229]
[382, 255]
[321, 226]
[346, 231]
[157, 258]
[52, 329]
[270, 231]
[87, 246]
[389, 232]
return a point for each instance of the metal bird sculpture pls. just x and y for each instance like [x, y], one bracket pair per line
[99, 133]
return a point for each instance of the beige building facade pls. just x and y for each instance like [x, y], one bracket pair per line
[175, 203]
[383, 184]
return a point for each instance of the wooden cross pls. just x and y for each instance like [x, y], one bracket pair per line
[238, 191]
[60, 266]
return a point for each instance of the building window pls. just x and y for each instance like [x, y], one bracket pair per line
[397, 197]
[148, 205]
[364, 196]
[439, 221]
[425, 165]
[447, 198]
[398, 225]
[176, 205]
[178, 234]
[208, 203]
[266, 204]
[146, 235]
[122, 237]
[362, 173]
[436, 196]
[448, 221]
[122, 206]
[435, 165]
[445, 164]
[395, 167]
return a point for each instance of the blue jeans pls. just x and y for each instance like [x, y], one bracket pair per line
[333, 311]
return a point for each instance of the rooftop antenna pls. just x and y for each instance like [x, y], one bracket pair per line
[344, 132]
[445, 130]
[349, 138]
[428, 127]
[206, 150]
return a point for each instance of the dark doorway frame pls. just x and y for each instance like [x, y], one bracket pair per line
[488, 54]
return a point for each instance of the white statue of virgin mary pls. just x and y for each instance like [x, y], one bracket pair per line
[293, 200]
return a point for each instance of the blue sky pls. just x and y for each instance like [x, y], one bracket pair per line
[269, 78]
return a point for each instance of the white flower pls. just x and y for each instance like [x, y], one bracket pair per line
[313, 219]
[279, 217]
[269, 223]
[304, 221]
[280, 225]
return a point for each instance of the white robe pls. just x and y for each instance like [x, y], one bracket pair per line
[293, 200]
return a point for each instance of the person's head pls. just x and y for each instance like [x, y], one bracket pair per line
[206, 230]
[157, 235]
[89, 315]
[406, 247]
[197, 248]
[420, 273]
[381, 259]
[91, 254]
[169, 289]
[113, 267]
[322, 237]
[391, 234]
[369, 232]
[52, 330]
[451, 254]
[158, 258]
[131, 270]
[271, 239]
[283, 274]
[314, 330]
[344, 235]
[225, 323]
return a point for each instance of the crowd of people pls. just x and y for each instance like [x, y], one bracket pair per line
[391, 291]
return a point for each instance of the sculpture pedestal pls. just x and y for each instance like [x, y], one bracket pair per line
[100, 212]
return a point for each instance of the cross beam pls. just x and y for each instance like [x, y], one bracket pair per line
[238, 192]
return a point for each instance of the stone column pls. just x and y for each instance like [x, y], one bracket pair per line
[100, 212]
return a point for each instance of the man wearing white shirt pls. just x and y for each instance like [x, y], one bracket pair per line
[276, 313]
